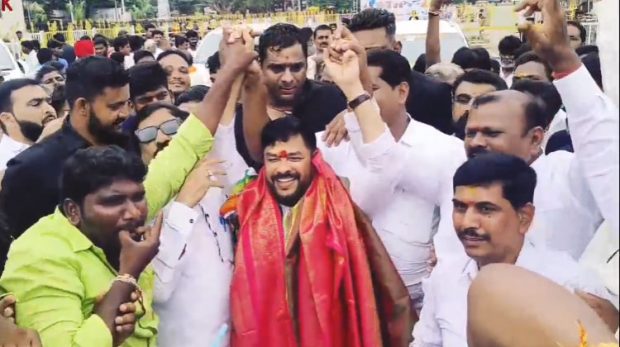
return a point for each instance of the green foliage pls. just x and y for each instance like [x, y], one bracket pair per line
[141, 9]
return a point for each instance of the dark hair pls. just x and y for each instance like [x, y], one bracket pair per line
[88, 77]
[157, 32]
[44, 70]
[582, 30]
[135, 42]
[36, 44]
[517, 178]
[525, 47]
[147, 111]
[93, 168]
[420, 63]
[164, 54]
[85, 37]
[509, 45]
[100, 41]
[7, 88]
[179, 40]
[147, 77]
[546, 92]
[52, 44]
[592, 62]
[141, 54]
[535, 109]
[28, 44]
[530, 57]
[213, 63]
[586, 49]
[484, 58]
[306, 34]
[120, 42]
[148, 26]
[495, 66]
[59, 37]
[468, 58]
[44, 55]
[477, 76]
[280, 36]
[191, 33]
[321, 27]
[118, 57]
[394, 67]
[282, 129]
[374, 18]
[194, 94]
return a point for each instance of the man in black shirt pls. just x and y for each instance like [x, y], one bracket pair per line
[429, 100]
[283, 54]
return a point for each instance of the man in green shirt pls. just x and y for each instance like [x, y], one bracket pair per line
[72, 269]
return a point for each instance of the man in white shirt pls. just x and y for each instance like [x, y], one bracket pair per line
[575, 192]
[322, 39]
[404, 220]
[493, 211]
[24, 110]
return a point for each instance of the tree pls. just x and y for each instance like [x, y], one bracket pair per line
[142, 9]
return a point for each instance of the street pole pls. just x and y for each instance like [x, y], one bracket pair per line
[28, 4]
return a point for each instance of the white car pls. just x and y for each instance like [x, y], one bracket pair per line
[8, 66]
[412, 35]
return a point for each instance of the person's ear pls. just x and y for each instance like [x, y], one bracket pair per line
[72, 211]
[526, 215]
[538, 135]
[398, 46]
[10, 124]
[82, 107]
[403, 92]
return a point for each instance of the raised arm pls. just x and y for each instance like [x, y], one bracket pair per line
[433, 43]
[593, 118]
[255, 115]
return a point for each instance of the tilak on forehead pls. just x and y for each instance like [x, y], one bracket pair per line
[283, 154]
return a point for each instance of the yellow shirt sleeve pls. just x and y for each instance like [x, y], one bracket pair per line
[167, 172]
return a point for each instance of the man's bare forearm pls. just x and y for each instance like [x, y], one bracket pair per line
[119, 293]
[214, 103]
[433, 44]
[255, 118]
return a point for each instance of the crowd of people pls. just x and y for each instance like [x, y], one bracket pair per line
[321, 191]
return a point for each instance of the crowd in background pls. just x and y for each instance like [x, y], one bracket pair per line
[316, 190]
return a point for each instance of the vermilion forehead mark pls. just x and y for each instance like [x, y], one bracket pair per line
[283, 155]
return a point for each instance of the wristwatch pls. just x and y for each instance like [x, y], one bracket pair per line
[353, 104]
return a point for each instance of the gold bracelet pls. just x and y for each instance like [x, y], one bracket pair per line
[126, 278]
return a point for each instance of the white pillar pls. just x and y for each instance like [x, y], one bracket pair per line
[607, 41]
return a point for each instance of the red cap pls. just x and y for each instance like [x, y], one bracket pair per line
[84, 48]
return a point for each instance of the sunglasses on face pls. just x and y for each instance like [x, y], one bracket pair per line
[149, 134]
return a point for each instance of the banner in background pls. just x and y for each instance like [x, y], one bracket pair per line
[402, 9]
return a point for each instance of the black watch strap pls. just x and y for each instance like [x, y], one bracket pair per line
[353, 104]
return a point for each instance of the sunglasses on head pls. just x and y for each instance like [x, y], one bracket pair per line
[149, 134]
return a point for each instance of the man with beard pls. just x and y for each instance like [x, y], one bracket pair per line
[192, 37]
[25, 109]
[300, 237]
[493, 211]
[283, 58]
[322, 39]
[98, 93]
[54, 82]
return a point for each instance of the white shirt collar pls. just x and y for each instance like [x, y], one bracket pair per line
[9, 148]
[526, 259]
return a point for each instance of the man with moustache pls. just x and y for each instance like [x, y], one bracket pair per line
[98, 94]
[574, 192]
[24, 110]
[300, 236]
[283, 55]
[493, 211]
[322, 39]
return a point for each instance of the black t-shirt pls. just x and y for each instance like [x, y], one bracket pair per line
[430, 102]
[318, 105]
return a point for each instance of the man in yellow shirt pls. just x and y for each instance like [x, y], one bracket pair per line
[72, 269]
